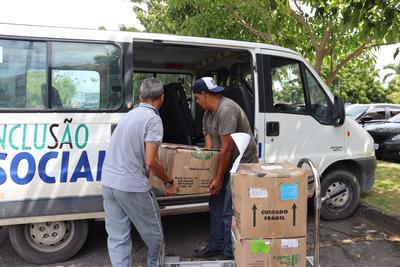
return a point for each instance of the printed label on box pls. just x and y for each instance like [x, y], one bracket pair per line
[287, 260]
[289, 243]
[258, 192]
[289, 191]
[259, 246]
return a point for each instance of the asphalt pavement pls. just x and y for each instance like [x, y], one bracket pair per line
[363, 240]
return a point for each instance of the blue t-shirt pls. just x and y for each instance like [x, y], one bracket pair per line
[124, 167]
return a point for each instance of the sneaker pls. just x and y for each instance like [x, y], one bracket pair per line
[205, 253]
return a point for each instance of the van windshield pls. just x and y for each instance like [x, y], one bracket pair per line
[355, 111]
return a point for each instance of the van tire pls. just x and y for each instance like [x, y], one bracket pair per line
[50, 242]
[344, 205]
[3, 235]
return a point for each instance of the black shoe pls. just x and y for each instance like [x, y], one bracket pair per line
[205, 253]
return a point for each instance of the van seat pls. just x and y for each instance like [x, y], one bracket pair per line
[176, 116]
[242, 97]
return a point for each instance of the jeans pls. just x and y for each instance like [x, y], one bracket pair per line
[121, 210]
[221, 213]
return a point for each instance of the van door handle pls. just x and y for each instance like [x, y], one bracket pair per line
[272, 128]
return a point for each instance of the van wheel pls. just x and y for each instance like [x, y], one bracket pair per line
[3, 235]
[49, 242]
[345, 204]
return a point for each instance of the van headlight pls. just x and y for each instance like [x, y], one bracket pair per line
[396, 137]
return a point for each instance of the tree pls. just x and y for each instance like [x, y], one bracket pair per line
[36, 78]
[395, 74]
[327, 33]
[357, 83]
[394, 84]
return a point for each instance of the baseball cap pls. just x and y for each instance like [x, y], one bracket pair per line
[206, 84]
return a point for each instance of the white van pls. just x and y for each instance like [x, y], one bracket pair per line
[62, 92]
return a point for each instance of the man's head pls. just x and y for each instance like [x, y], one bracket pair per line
[152, 92]
[207, 93]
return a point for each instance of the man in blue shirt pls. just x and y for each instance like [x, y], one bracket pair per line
[127, 194]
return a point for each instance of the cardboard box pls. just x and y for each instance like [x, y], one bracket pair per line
[270, 201]
[193, 167]
[258, 252]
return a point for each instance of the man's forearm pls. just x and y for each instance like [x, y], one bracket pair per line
[223, 162]
[158, 170]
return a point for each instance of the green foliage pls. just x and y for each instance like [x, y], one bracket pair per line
[385, 193]
[286, 85]
[66, 88]
[357, 83]
[165, 78]
[394, 84]
[395, 75]
[64, 85]
[329, 34]
[34, 81]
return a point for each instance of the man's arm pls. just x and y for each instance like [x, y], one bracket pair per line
[155, 166]
[208, 142]
[223, 163]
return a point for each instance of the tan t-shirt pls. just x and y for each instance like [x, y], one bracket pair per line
[229, 118]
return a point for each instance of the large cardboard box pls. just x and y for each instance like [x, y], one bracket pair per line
[193, 167]
[270, 201]
[259, 252]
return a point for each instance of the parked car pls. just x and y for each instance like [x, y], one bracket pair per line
[386, 138]
[366, 114]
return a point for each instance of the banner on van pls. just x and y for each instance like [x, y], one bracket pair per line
[51, 160]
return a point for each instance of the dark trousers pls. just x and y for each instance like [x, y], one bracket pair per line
[221, 213]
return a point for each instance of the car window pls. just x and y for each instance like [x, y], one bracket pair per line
[395, 119]
[394, 111]
[355, 111]
[376, 114]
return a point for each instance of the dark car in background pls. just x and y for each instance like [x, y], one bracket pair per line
[366, 114]
[386, 138]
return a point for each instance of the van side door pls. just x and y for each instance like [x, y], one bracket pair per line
[296, 112]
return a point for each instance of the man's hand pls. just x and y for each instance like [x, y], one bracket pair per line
[171, 191]
[215, 186]
[223, 164]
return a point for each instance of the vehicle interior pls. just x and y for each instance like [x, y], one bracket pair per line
[178, 66]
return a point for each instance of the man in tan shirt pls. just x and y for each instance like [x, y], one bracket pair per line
[222, 117]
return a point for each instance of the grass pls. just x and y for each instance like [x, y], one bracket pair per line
[385, 193]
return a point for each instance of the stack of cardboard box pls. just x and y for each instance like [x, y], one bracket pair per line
[270, 215]
[192, 167]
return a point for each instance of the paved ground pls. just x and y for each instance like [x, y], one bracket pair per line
[354, 242]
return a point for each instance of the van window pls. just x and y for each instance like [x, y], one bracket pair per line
[287, 88]
[75, 89]
[165, 78]
[22, 71]
[83, 75]
[320, 104]
[86, 76]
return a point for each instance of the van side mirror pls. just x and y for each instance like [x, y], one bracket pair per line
[339, 113]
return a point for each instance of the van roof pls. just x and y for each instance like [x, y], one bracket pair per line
[120, 36]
